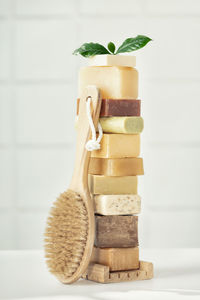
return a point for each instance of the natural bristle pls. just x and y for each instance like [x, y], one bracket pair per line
[66, 235]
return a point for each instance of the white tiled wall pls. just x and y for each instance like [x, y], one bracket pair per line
[38, 88]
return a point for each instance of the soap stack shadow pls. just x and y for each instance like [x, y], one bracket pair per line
[113, 177]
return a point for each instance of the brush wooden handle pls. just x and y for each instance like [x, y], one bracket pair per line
[79, 182]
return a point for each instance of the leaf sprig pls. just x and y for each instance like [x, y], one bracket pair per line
[129, 45]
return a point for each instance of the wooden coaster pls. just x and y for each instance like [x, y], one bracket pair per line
[101, 273]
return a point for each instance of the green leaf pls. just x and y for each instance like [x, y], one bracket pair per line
[133, 44]
[111, 47]
[91, 49]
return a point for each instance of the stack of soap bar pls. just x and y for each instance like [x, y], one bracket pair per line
[114, 169]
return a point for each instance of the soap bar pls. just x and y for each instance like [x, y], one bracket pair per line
[117, 107]
[116, 166]
[116, 231]
[117, 204]
[108, 185]
[117, 259]
[113, 82]
[113, 60]
[126, 125]
[118, 146]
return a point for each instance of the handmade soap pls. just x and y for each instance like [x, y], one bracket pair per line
[118, 146]
[128, 166]
[116, 107]
[117, 259]
[112, 60]
[108, 185]
[113, 82]
[124, 107]
[117, 204]
[116, 231]
[126, 125]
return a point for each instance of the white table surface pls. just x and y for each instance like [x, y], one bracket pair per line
[23, 275]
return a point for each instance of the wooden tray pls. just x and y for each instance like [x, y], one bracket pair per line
[101, 273]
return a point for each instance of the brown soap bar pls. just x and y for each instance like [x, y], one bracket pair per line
[116, 231]
[115, 107]
[128, 166]
[118, 107]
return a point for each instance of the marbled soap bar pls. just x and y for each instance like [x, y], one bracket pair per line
[117, 107]
[113, 82]
[116, 231]
[117, 204]
[126, 125]
[129, 166]
[110, 185]
[117, 259]
[118, 146]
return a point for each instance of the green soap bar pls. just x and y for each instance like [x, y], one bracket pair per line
[126, 125]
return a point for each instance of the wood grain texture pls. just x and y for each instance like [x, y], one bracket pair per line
[117, 259]
[102, 274]
[116, 231]
[129, 166]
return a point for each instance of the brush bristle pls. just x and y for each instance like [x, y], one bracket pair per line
[66, 235]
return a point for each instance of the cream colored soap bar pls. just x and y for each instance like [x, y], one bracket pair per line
[118, 146]
[113, 82]
[129, 166]
[117, 259]
[126, 125]
[117, 204]
[108, 185]
[113, 60]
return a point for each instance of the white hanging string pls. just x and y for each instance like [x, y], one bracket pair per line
[94, 143]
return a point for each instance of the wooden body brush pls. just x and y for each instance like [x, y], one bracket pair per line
[70, 226]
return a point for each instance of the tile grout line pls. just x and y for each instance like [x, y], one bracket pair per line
[126, 16]
[13, 125]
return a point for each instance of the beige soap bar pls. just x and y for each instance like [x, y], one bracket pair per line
[117, 204]
[117, 259]
[109, 185]
[118, 146]
[113, 60]
[126, 125]
[129, 166]
[113, 82]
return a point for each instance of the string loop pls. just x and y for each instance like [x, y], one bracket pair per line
[94, 143]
